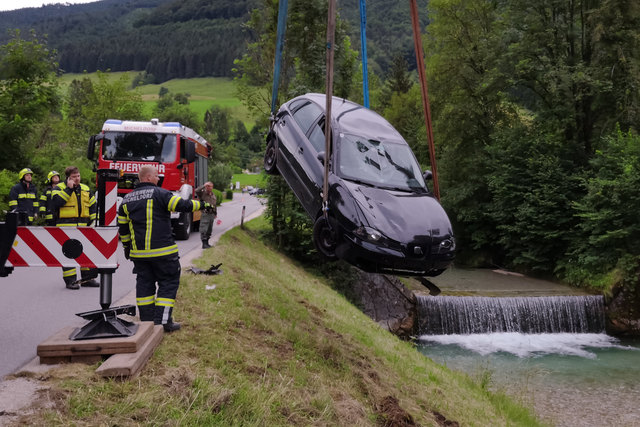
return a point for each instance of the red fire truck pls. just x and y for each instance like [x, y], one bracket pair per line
[179, 153]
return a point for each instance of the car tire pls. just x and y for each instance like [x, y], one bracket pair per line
[270, 156]
[183, 231]
[324, 239]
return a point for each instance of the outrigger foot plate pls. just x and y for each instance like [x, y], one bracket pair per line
[106, 324]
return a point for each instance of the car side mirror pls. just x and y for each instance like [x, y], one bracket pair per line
[321, 157]
[427, 175]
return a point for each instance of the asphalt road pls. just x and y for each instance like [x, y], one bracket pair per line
[35, 304]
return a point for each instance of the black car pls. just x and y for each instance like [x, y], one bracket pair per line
[381, 215]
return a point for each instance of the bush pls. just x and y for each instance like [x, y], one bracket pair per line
[7, 180]
[218, 195]
[229, 195]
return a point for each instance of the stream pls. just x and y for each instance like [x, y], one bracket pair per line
[573, 379]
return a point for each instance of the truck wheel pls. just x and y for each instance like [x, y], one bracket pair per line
[270, 157]
[324, 239]
[183, 231]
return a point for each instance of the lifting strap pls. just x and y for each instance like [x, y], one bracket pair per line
[282, 27]
[417, 41]
[363, 48]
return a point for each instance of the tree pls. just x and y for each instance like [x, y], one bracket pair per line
[303, 70]
[28, 93]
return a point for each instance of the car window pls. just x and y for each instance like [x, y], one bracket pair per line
[317, 137]
[387, 164]
[306, 115]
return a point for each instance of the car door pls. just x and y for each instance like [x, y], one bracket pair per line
[298, 153]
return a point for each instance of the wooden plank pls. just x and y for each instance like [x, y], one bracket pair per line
[129, 364]
[86, 359]
[59, 344]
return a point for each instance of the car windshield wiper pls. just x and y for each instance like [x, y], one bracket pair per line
[361, 182]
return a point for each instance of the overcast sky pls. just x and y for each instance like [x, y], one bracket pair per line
[20, 4]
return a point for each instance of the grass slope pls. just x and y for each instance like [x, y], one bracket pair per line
[273, 345]
[205, 92]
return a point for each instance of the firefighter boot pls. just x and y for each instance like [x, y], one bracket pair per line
[205, 244]
[159, 315]
[71, 283]
[87, 278]
[146, 313]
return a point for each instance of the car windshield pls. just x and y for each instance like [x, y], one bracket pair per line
[385, 164]
[139, 146]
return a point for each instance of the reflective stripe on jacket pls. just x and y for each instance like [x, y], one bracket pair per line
[24, 199]
[144, 220]
[73, 207]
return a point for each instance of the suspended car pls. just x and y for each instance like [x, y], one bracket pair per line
[381, 215]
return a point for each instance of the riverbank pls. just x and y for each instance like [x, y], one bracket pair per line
[268, 343]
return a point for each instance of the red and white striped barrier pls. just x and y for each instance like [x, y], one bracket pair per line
[64, 247]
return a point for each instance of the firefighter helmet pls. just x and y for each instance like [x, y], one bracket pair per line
[23, 172]
[51, 175]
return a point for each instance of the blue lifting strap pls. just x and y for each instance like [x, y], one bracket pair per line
[363, 44]
[282, 26]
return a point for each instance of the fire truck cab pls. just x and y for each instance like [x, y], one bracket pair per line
[179, 153]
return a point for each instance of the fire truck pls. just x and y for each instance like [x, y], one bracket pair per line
[178, 152]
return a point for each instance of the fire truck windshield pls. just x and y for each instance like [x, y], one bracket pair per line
[139, 146]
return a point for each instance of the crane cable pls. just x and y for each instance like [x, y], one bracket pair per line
[331, 27]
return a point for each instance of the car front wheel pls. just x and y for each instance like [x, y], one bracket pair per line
[324, 239]
[270, 157]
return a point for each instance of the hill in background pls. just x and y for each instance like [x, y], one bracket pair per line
[186, 38]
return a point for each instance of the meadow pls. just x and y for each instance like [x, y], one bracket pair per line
[204, 92]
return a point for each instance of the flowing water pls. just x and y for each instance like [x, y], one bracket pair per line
[549, 352]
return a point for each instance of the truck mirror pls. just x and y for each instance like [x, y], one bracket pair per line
[190, 151]
[91, 148]
[321, 157]
[427, 175]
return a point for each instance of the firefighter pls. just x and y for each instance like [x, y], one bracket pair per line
[74, 206]
[46, 208]
[205, 193]
[23, 197]
[144, 225]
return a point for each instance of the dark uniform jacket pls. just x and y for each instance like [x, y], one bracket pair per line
[74, 206]
[209, 198]
[24, 199]
[47, 211]
[144, 220]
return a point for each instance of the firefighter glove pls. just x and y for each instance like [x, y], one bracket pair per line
[207, 206]
[127, 250]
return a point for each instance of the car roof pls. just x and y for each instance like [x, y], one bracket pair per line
[350, 117]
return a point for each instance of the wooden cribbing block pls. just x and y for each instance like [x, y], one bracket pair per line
[129, 364]
[59, 344]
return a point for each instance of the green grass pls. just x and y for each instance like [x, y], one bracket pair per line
[254, 180]
[272, 345]
[205, 92]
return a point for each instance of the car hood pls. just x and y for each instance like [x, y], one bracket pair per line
[401, 216]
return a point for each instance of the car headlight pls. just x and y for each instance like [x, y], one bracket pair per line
[369, 234]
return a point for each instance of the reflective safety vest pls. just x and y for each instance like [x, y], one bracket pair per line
[75, 207]
[144, 220]
[24, 199]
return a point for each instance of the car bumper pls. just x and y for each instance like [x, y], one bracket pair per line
[379, 259]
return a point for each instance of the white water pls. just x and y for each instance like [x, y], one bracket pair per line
[528, 345]
[571, 380]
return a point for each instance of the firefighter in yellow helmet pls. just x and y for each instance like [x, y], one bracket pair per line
[46, 208]
[23, 197]
[75, 206]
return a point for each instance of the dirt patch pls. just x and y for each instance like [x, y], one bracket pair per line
[390, 414]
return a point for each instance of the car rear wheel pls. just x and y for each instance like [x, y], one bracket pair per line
[324, 239]
[270, 157]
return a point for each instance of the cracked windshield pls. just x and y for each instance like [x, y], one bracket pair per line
[380, 163]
